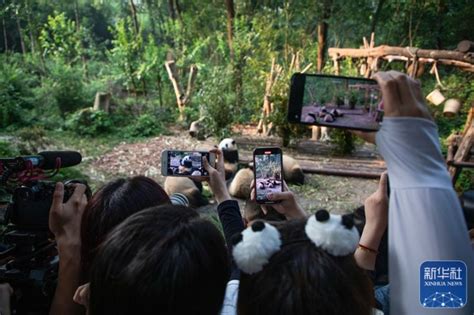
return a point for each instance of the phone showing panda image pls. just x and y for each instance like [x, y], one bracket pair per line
[185, 163]
[268, 166]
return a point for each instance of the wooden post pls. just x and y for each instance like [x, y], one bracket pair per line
[315, 133]
[102, 101]
[465, 145]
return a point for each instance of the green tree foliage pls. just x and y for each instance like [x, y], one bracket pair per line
[60, 38]
[58, 54]
[16, 96]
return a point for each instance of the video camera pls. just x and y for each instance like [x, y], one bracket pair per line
[28, 255]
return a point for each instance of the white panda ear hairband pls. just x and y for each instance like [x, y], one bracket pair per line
[254, 247]
[334, 233]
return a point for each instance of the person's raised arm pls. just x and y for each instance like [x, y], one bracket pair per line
[425, 218]
[228, 209]
[376, 214]
[65, 224]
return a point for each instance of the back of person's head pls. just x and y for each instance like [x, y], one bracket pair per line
[301, 278]
[163, 260]
[110, 206]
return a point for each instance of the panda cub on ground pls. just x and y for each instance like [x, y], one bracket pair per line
[292, 171]
[231, 156]
[187, 187]
[240, 185]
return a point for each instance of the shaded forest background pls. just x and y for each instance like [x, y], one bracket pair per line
[56, 55]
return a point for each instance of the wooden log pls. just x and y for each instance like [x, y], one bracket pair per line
[409, 52]
[465, 46]
[462, 164]
[469, 120]
[462, 65]
[345, 173]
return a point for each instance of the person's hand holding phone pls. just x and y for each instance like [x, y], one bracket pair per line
[285, 202]
[402, 97]
[216, 177]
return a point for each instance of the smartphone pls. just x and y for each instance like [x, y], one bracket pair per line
[335, 101]
[268, 172]
[185, 163]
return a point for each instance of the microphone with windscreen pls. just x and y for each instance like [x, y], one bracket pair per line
[65, 158]
[47, 160]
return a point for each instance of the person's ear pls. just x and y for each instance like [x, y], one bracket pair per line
[81, 296]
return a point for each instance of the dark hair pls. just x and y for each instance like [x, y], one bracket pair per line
[304, 279]
[163, 260]
[112, 204]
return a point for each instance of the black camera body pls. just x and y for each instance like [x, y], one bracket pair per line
[31, 203]
[28, 255]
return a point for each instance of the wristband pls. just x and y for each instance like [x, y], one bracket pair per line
[368, 249]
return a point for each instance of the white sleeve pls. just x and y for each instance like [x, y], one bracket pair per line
[425, 217]
[229, 307]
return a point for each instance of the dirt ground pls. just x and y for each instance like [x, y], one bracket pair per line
[338, 194]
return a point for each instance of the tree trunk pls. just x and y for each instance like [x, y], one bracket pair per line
[182, 99]
[20, 32]
[133, 9]
[30, 28]
[174, 10]
[171, 9]
[236, 61]
[376, 15]
[151, 16]
[323, 33]
[230, 27]
[78, 31]
[442, 10]
[5, 39]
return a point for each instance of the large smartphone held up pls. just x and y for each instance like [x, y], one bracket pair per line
[335, 101]
[185, 163]
[268, 170]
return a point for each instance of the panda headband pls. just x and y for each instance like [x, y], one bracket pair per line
[254, 247]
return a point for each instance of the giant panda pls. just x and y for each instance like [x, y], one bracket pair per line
[292, 171]
[231, 156]
[240, 185]
[187, 187]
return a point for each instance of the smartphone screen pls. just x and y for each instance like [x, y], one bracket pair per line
[335, 101]
[186, 163]
[268, 173]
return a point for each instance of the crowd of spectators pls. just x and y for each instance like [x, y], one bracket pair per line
[131, 250]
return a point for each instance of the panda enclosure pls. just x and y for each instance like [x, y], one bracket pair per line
[336, 193]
